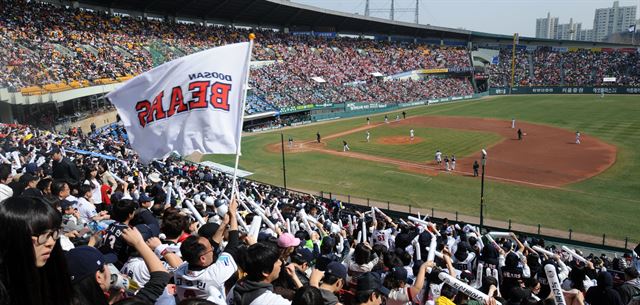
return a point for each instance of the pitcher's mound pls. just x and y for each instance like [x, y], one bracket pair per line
[399, 140]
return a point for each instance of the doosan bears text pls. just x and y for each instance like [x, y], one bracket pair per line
[203, 93]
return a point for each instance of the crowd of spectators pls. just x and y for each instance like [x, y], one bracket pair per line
[581, 67]
[500, 73]
[46, 44]
[88, 224]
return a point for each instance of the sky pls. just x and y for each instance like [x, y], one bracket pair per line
[492, 16]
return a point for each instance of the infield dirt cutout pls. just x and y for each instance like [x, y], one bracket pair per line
[546, 157]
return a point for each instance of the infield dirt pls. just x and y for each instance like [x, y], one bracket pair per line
[546, 157]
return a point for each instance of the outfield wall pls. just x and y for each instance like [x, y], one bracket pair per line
[565, 90]
[348, 110]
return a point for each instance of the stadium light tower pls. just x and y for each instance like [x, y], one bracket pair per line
[484, 161]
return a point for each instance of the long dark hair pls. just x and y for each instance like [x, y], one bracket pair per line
[21, 282]
[88, 291]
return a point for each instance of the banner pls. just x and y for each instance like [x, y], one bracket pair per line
[193, 103]
[565, 90]
[432, 71]
[298, 108]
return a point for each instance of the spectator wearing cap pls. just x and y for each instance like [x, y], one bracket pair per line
[5, 190]
[32, 265]
[369, 290]
[143, 215]
[294, 275]
[203, 274]
[287, 244]
[71, 222]
[90, 275]
[400, 292]
[334, 278]
[63, 169]
[262, 265]
[631, 286]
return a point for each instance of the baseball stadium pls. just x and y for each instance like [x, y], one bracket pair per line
[344, 114]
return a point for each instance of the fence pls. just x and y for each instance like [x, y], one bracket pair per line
[548, 234]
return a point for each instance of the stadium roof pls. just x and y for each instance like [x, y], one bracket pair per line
[300, 17]
[280, 13]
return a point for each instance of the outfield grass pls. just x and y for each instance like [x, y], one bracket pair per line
[607, 203]
[449, 141]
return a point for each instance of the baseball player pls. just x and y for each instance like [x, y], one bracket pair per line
[318, 136]
[577, 137]
[453, 162]
[345, 146]
[290, 142]
[368, 121]
[513, 123]
[446, 163]
[397, 117]
[475, 168]
[411, 135]
[438, 157]
[386, 119]
[368, 136]
[404, 115]
[519, 134]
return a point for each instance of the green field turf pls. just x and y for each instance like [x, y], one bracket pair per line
[449, 141]
[608, 203]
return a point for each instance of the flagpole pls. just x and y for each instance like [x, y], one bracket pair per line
[234, 186]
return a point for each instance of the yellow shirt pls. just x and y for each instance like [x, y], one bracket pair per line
[444, 301]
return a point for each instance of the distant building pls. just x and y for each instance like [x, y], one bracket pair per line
[611, 20]
[585, 35]
[546, 27]
[568, 31]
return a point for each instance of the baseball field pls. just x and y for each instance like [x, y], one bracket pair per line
[545, 178]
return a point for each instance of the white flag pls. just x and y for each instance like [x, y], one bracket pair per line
[193, 103]
[632, 28]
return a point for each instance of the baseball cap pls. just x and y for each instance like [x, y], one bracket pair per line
[65, 204]
[84, 261]
[338, 270]
[399, 273]
[371, 281]
[305, 254]
[144, 198]
[31, 168]
[146, 231]
[288, 240]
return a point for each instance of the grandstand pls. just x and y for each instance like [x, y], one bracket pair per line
[83, 51]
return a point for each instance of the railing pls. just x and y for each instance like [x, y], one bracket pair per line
[554, 235]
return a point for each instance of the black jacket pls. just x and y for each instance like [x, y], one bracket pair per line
[65, 170]
[603, 294]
